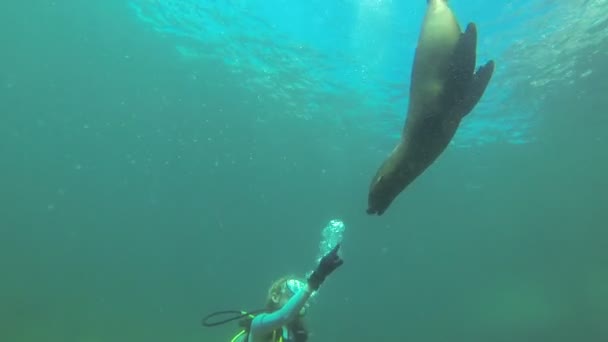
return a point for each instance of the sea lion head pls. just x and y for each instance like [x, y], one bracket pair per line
[377, 201]
[384, 188]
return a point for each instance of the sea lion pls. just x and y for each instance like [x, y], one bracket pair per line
[444, 88]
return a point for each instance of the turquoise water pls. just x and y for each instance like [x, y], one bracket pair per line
[166, 159]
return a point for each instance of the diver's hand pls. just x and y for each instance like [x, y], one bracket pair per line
[327, 265]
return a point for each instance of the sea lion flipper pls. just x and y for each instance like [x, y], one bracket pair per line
[478, 86]
[469, 85]
[461, 67]
[466, 55]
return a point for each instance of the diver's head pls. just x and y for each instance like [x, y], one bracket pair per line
[282, 290]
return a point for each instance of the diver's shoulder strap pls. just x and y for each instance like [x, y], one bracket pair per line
[244, 334]
[246, 325]
[278, 335]
[240, 337]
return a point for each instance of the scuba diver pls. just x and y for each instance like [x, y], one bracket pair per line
[286, 305]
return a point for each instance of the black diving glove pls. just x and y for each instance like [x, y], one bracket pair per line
[328, 264]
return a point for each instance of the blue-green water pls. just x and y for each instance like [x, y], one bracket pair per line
[165, 159]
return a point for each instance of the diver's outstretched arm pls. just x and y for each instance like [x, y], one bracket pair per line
[267, 322]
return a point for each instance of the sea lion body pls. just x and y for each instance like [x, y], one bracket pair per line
[444, 88]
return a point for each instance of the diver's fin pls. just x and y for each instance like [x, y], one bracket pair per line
[478, 86]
